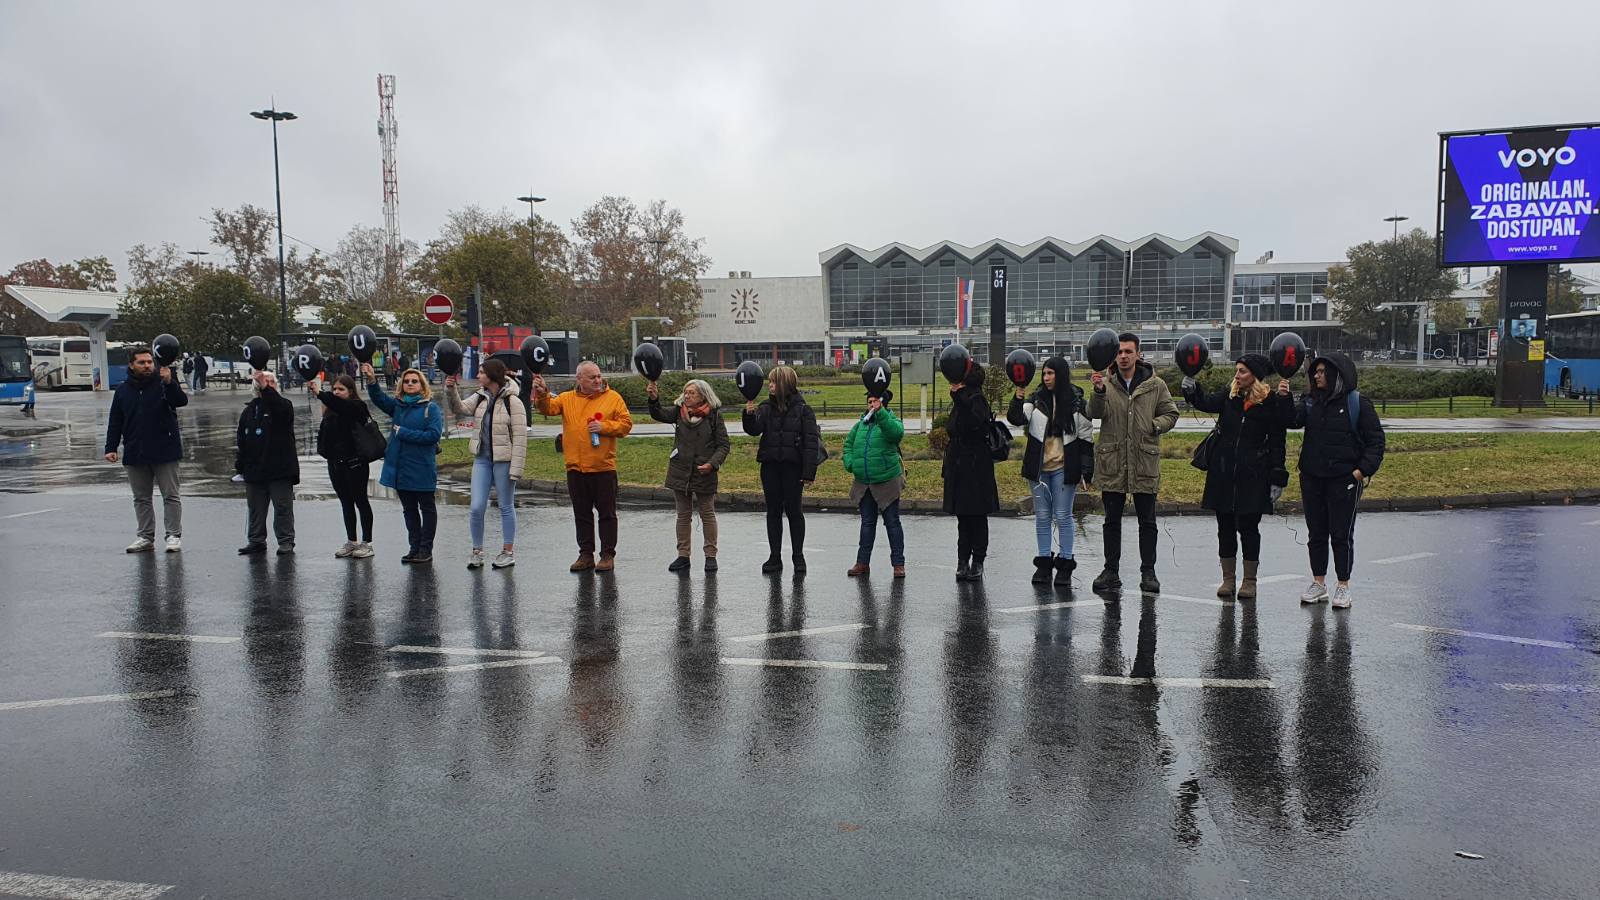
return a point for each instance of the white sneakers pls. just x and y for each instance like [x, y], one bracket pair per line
[504, 559]
[174, 543]
[347, 550]
[142, 545]
[1316, 593]
[362, 550]
[475, 559]
[1341, 597]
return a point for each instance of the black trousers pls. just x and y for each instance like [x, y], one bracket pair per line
[1330, 505]
[422, 518]
[1144, 507]
[780, 487]
[972, 537]
[1234, 529]
[591, 493]
[350, 484]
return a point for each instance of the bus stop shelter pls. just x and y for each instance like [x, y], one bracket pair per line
[93, 311]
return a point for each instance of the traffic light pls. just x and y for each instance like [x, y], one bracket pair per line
[474, 311]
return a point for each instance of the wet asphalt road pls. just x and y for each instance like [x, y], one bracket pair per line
[980, 746]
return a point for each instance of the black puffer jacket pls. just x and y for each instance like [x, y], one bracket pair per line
[1247, 457]
[265, 440]
[789, 436]
[969, 488]
[1331, 449]
[336, 435]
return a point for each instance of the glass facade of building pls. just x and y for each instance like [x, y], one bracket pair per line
[1280, 297]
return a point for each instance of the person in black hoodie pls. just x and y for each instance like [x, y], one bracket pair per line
[789, 452]
[342, 414]
[268, 463]
[144, 421]
[1244, 466]
[969, 488]
[1343, 447]
[1058, 462]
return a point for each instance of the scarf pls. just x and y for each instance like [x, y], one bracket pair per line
[696, 413]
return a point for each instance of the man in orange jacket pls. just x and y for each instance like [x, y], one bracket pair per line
[592, 418]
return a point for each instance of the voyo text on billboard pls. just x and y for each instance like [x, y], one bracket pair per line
[1520, 195]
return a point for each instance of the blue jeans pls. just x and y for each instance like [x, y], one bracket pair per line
[1052, 505]
[869, 530]
[484, 474]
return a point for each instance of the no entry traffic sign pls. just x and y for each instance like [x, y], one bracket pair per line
[438, 309]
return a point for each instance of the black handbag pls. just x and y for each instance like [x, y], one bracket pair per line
[369, 441]
[1202, 454]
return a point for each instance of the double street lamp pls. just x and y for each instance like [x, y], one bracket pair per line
[275, 116]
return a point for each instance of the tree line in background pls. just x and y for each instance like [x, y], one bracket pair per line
[619, 259]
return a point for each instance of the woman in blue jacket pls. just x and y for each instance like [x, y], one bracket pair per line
[409, 466]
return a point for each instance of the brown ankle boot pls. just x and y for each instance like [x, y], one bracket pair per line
[583, 563]
[1247, 587]
[1229, 584]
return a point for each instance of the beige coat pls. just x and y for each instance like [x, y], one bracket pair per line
[1127, 458]
[510, 424]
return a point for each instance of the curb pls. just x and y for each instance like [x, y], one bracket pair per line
[1090, 503]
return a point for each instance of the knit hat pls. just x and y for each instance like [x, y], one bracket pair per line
[1258, 364]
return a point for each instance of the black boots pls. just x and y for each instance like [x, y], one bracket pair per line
[773, 565]
[961, 568]
[1041, 569]
[1148, 583]
[799, 564]
[1108, 580]
[1064, 568]
[975, 571]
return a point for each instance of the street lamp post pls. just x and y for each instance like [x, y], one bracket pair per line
[275, 116]
[533, 249]
[1396, 219]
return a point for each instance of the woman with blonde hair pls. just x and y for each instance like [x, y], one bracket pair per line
[409, 467]
[1244, 464]
[699, 447]
[499, 447]
[789, 452]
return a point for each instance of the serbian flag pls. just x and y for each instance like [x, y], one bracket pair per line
[964, 302]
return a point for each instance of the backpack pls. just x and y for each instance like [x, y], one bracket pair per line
[999, 440]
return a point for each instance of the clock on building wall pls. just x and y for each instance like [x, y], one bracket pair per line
[745, 304]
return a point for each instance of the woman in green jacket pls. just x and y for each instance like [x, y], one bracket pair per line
[872, 455]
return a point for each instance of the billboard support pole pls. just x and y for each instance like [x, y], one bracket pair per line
[1519, 369]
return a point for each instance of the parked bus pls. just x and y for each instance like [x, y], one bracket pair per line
[1572, 354]
[16, 372]
[61, 362]
[116, 363]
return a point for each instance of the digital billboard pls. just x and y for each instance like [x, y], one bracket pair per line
[1524, 195]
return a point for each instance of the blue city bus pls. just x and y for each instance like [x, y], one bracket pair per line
[116, 364]
[1572, 354]
[16, 372]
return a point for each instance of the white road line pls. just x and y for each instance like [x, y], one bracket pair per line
[804, 632]
[804, 664]
[1181, 682]
[1409, 557]
[153, 636]
[35, 512]
[1276, 579]
[466, 651]
[26, 884]
[1554, 688]
[1201, 600]
[473, 667]
[1595, 522]
[1532, 642]
[75, 701]
[1065, 604]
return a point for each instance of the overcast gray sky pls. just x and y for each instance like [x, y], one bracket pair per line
[779, 132]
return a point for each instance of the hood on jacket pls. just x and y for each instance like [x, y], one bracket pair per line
[1343, 366]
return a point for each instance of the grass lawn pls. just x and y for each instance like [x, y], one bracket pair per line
[1417, 465]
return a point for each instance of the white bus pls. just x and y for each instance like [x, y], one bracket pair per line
[61, 362]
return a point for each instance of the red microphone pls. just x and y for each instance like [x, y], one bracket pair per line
[594, 436]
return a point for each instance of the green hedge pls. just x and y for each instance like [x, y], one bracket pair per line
[1375, 382]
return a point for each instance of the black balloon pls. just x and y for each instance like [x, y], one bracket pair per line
[1020, 367]
[165, 349]
[1101, 349]
[308, 361]
[535, 352]
[1191, 354]
[1288, 354]
[648, 361]
[955, 362]
[447, 356]
[875, 376]
[363, 343]
[257, 352]
[749, 379]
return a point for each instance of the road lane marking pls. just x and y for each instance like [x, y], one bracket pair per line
[465, 651]
[1276, 579]
[154, 636]
[34, 512]
[473, 667]
[804, 664]
[804, 632]
[1180, 682]
[76, 701]
[1532, 642]
[1554, 688]
[1409, 557]
[1065, 604]
[56, 887]
[1595, 522]
[1201, 600]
